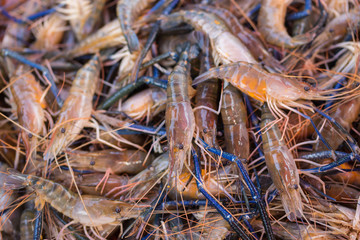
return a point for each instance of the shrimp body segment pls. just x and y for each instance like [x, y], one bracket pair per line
[227, 48]
[27, 93]
[271, 25]
[261, 85]
[281, 166]
[77, 108]
[88, 210]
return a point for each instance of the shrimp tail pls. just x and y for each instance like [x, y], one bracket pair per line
[292, 204]
[212, 73]
[12, 180]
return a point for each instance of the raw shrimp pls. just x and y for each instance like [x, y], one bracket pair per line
[227, 48]
[82, 14]
[110, 35]
[87, 210]
[263, 86]
[179, 117]
[271, 25]
[77, 108]
[127, 12]
[27, 95]
[129, 161]
[281, 166]
[234, 116]
[27, 226]
[148, 102]
[345, 114]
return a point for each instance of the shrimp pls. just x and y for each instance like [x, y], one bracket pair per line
[234, 116]
[77, 108]
[337, 7]
[129, 161]
[281, 166]
[6, 196]
[88, 210]
[271, 25]
[148, 102]
[82, 14]
[245, 35]
[110, 35]
[345, 115]
[263, 86]
[27, 226]
[213, 227]
[227, 48]
[27, 95]
[179, 117]
[49, 32]
[127, 12]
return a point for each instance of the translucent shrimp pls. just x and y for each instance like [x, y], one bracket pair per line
[179, 117]
[127, 12]
[82, 14]
[49, 32]
[263, 86]
[77, 108]
[129, 161]
[27, 226]
[110, 35]
[227, 48]
[271, 21]
[234, 116]
[281, 166]
[148, 102]
[88, 210]
[27, 95]
[345, 114]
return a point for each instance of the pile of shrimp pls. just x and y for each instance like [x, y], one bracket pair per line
[192, 119]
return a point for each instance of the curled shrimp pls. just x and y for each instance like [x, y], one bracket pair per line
[281, 166]
[87, 210]
[263, 86]
[227, 48]
[77, 108]
[129, 161]
[27, 95]
[179, 117]
[127, 12]
[82, 14]
[271, 25]
[148, 102]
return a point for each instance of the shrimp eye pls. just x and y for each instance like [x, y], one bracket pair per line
[92, 162]
[181, 146]
[205, 130]
[296, 186]
[62, 130]
[30, 135]
[117, 210]
[306, 88]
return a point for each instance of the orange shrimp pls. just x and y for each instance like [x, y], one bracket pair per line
[281, 166]
[179, 117]
[263, 86]
[227, 48]
[271, 25]
[77, 108]
[27, 95]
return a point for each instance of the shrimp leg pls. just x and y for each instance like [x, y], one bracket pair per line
[302, 14]
[253, 191]
[38, 225]
[223, 211]
[46, 73]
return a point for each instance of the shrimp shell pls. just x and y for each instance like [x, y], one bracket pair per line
[77, 108]
[281, 166]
